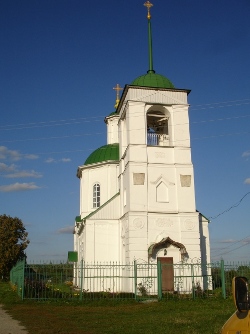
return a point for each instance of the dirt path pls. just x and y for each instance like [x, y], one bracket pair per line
[8, 325]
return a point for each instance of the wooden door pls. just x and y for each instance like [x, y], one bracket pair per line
[167, 272]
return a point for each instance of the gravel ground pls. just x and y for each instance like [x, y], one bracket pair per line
[8, 325]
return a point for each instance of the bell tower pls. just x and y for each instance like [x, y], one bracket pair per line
[156, 177]
[137, 192]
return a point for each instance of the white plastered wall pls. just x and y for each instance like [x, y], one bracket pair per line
[104, 174]
[103, 241]
[170, 167]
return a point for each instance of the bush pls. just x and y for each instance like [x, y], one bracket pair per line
[35, 289]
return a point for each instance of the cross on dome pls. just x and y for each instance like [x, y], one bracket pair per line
[117, 88]
[148, 5]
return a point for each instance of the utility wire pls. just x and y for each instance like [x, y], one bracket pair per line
[230, 101]
[99, 118]
[232, 250]
[218, 119]
[43, 124]
[54, 137]
[231, 207]
[231, 244]
[102, 133]
[216, 105]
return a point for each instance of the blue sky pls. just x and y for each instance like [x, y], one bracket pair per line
[60, 60]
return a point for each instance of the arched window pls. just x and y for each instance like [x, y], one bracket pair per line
[96, 195]
[157, 128]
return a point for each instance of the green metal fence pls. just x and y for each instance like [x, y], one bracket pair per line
[17, 277]
[84, 281]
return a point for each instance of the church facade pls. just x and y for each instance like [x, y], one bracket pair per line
[137, 192]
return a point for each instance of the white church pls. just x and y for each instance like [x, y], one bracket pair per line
[137, 192]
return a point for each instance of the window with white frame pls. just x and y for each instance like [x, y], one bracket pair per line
[96, 195]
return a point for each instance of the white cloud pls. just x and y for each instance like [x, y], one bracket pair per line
[27, 224]
[24, 173]
[11, 171]
[246, 154]
[66, 230]
[31, 156]
[228, 241]
[18, 187]
[14, 155]
[50, 160]
[233, 241]
[246, 241]
[9, 154]
[5, 168]
[247, 181]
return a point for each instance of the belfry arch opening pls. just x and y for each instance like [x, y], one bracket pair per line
[157, 128]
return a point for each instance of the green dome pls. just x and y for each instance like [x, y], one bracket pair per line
[153, 80]
[104, 153]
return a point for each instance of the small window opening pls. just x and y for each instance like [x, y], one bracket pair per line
[96, 195]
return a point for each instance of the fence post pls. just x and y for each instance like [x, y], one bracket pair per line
[81, 284]
[193, 286]
[23, 273]
[135, 278]
[159, 280]
[222, 275]
[11, 275]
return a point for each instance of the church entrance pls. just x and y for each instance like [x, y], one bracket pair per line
[167, 273]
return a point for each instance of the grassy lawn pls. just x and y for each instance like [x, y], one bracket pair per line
[172, 316]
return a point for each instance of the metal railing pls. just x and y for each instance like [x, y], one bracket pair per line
[17, 277]
[84, 281]
[156, 139]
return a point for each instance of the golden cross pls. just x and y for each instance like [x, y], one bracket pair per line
[117, 88]
[148, 5]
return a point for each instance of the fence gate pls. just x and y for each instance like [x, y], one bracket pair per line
[167, 273]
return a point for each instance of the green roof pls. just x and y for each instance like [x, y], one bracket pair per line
[104, 153]
[113, 113]
[78, 219]
[152, 79]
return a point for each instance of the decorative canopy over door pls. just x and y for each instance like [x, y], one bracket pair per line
[165, 243]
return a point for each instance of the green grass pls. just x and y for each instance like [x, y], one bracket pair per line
[201, 316]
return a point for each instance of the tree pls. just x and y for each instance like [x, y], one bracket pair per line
[13, 242]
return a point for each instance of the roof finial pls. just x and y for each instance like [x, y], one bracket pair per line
[150, 48]
[117, 88]
[148, 5]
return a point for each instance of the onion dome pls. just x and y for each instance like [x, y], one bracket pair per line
[104, 153]
[152, 79]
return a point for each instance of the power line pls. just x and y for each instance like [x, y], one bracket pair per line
[221, 135]
[44, 124]
[231, 207]
[217, 105]
[102, 133]
[230, 101]
[232, 250]
[231, 244]
[54, 137]
[98, 118]
[217, 119]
